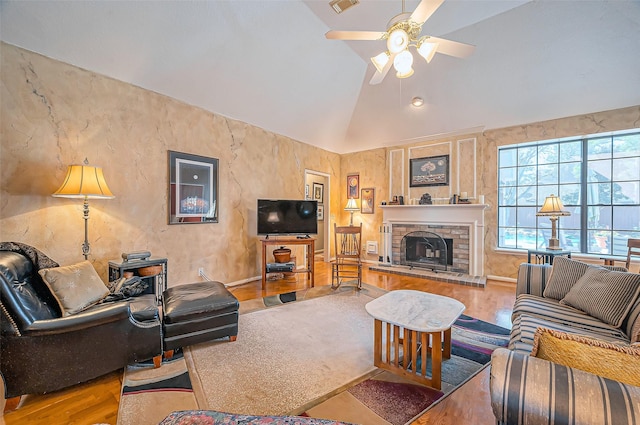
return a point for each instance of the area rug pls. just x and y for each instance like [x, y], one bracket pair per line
[286, 356]
[388, 399]
[312, 358]
[150, 394]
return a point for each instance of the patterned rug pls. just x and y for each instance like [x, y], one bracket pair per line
[374, 398]
[149, 394]
[388, 399]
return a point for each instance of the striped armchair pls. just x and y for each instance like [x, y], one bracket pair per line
[530, 391]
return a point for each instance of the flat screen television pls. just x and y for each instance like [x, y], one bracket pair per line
[287, 217]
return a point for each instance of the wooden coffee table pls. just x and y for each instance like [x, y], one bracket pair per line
[408, 326]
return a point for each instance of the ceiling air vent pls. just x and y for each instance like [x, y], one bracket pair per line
[341, 5]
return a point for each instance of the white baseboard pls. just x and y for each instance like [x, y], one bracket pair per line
[501, 278]
[243, 281]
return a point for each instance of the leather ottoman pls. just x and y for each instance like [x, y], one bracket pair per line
[198, 312]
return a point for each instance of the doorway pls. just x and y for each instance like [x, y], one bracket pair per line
[317, 188]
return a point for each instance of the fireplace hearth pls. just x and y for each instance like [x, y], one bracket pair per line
[426, 249]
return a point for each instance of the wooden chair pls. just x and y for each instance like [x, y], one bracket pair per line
[633, 246]
[347, 267]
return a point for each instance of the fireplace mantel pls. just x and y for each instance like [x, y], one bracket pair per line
[471, 215]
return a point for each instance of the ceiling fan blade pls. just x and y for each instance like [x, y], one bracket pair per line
[453, 48]
[379, 76]
[424, 10]
[354, 35]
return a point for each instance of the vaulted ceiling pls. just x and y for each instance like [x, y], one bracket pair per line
[268, 62]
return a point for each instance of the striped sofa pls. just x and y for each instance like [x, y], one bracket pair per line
[530, 391]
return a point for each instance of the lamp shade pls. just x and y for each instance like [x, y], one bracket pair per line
[380, 61]
[552, 207]
[403, 61]
[426, 49]
[84, 181]
[352, 205]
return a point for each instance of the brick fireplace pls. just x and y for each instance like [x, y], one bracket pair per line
[456, 237]
[463, 224]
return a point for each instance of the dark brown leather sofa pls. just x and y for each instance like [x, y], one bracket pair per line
[40, 351]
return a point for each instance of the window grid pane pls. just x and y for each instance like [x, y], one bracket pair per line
[609, 198]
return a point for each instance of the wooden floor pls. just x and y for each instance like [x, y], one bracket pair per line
[97, 401]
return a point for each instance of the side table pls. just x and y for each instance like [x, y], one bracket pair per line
[157, 283]
[310, 247]
[545, 256]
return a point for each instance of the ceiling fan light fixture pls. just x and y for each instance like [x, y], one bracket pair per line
[398, 40]
[403, 33]
[407, 74]
[426, 49]
[402, 63]
[380, 61]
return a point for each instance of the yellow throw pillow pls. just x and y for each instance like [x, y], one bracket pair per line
[618, 362]
[75, 287]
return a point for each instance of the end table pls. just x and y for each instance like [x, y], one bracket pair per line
[545, 256]
[157, 283]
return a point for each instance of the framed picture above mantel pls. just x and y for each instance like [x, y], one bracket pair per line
[429, 171]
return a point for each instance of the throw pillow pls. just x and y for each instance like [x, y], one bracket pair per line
[618, 362]
[75, 287]
[604, 294]
[565, 272]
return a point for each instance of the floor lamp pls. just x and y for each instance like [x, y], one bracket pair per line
[553, 208]
[84, 182]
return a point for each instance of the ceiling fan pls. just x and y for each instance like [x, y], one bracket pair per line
[403, 31]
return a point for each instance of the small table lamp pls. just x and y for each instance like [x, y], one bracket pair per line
[84, 181]
[352, 206]
[553, 208]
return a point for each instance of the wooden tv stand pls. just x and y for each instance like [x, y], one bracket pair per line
[310, 244]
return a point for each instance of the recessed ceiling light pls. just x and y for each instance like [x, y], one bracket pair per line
[417, 101]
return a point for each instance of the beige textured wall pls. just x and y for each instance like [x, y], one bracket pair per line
[483, 179]
[54, 114]
[373, 169]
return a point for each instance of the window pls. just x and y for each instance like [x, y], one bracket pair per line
[598, 180]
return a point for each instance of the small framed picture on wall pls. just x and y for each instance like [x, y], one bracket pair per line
[367, 201]
[353, 186]
[320, 212]
[318, 192]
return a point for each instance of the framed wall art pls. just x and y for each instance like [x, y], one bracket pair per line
[353, 186]
[193, 188]
[320, 212]
[367, 201]
[429, 171]
[318, 192]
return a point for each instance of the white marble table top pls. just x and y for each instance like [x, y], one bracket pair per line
[416, 310]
